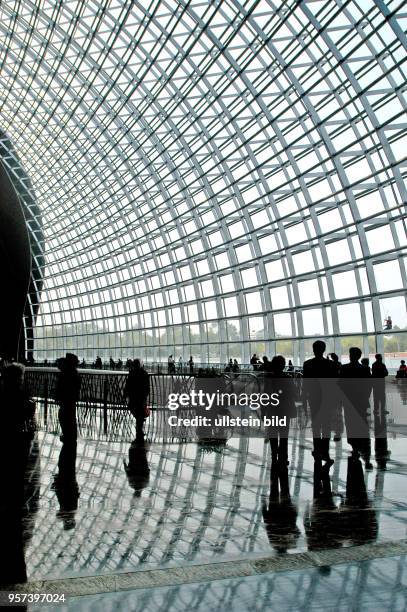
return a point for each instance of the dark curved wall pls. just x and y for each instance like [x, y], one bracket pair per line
[21, 253]
[15, 268]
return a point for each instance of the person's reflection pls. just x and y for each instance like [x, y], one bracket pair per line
[137, 468]
[358, 517]
[401, 387]
[321, 517]
[280, 514]
[382, 452]
[66, 486]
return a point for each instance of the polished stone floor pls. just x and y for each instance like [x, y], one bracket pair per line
[367, 586]
[166, 504]
[183, 503]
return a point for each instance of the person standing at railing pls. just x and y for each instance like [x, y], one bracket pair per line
[171, 365]
[255, 362]
[137, 390]
[67, 394]
[379, 373]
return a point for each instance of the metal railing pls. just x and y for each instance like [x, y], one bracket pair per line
[102, 395]
[157, 367]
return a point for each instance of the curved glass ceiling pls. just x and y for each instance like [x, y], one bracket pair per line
[215, 178]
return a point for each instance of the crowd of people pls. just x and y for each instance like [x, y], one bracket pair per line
[323, 380]
[181, 366]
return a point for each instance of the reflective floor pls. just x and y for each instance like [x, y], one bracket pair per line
[367, 586]
[113, 506]
[156, 504]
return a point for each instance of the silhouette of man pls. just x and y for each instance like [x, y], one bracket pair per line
[317, 390]
[254, 361]
[379, 373]
[278, 381]
[336, 402]
[266, 365]
[402, 371]
[137, 390]
[355, 382]
[67, 394]
[171, 365]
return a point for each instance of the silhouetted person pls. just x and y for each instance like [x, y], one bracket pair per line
[191, 365]
[67, 394]
[335, 360]
[254, 361]
[366, 363]
[402, 371]
[137, 469]
[278, 381]
[235, 367]
[290, 367]
[337, 412]
[280, 514]
[16, 443]
[180, 364]
[112, 364]
[355, 382]
[388, 323]
[266, 365]
[379, 369]
[98, 363]
[137, 390]
[319, 373]
[171, 365]
[379, 373]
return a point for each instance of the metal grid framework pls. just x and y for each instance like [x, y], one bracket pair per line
[214, 177]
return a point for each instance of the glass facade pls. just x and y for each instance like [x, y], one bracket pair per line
[215, 178]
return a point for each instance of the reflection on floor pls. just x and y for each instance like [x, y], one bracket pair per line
[132, 506]
[150, 505]
[379, 584]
